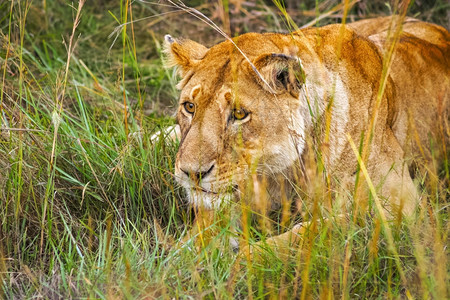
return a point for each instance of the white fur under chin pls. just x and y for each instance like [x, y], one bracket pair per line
[207, 200]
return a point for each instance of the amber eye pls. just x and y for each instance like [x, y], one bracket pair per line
[239, 113]
[189, 107]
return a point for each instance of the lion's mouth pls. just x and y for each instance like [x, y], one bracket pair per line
[200, 189]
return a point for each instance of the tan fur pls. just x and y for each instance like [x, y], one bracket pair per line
[335, 65]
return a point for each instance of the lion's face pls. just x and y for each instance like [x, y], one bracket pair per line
[235, 123]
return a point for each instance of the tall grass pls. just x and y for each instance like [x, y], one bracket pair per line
[89, 204]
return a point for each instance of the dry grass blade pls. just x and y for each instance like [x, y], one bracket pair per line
[60, 96]
[342, 6]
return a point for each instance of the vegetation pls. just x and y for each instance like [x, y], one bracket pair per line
[89, 206]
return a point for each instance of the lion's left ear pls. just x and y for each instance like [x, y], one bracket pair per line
[281, 72]
[183, 53]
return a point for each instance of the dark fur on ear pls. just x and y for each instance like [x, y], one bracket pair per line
[183, 53]
[283, 73]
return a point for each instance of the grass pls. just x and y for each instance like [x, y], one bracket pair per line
[89, 207]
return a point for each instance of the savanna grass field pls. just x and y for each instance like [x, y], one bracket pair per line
[89, 207]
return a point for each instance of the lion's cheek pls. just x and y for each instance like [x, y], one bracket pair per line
[282, 155]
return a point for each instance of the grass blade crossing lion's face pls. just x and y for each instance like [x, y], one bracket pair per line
[238, 115]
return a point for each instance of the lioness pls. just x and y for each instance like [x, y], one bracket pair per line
[248, 106]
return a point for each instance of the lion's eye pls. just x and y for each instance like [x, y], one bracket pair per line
[189, 107]
[239, 114]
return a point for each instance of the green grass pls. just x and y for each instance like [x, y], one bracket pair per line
[89, 207]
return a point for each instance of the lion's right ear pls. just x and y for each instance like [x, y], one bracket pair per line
[281, 72]
[183, 53]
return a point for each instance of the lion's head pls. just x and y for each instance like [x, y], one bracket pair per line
[246, 107]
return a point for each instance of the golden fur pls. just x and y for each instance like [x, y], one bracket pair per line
[288, 84]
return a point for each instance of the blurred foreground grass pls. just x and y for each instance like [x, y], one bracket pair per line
[89, 207]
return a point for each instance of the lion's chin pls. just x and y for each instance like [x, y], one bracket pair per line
[207, 200]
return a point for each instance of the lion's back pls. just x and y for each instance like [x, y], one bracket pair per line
[420, 72]
[429, 32]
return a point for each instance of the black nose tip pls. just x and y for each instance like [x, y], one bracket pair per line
[198, 174]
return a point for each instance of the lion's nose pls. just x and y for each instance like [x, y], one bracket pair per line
[198, 174]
